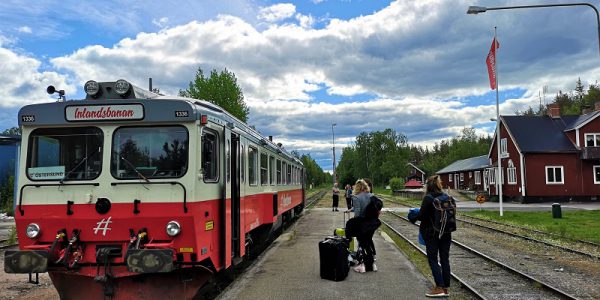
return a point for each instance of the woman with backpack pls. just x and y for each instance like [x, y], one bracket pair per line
[363, 226]
[437, 216]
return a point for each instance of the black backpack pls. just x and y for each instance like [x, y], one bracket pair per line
[444, 214]
[373, 208]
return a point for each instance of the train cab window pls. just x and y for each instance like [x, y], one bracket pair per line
[65, 154]
[278, 172]
[264, 169]
[210, 156]
[272, 169]
[252, 162]
[149, 152]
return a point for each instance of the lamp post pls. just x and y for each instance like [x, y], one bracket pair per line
[333, 143]
[473, 10]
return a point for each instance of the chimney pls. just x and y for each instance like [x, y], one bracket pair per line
[554, 110]
[271, 138]
[597, 106]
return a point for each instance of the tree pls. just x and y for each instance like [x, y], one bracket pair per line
[221, 89]
[12, 131]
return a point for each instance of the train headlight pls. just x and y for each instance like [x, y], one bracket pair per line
[173, 228]
[33, 230]
[122, 87]
[91, 88]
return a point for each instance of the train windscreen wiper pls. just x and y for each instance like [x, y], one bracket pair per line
[65, 178]
[134, 168]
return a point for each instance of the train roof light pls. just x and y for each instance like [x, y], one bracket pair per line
[122, 87]
[203, 119]
[92, 88]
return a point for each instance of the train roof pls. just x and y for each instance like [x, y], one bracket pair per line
[139, 107]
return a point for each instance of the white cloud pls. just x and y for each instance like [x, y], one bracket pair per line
[24, 29]
[277, 12]
[22, 82]
[161, 23]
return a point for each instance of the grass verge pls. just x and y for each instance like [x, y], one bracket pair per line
[581, 224]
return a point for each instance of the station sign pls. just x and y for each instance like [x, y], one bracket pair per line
[104, 112]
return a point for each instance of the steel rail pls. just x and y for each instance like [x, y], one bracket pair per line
[505, 266]
[531, 239]
[462, 282]
[532, 230]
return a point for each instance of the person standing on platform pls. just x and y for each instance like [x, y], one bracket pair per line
[336, 197]
[364, 227]
[434, 242]
[349, 196]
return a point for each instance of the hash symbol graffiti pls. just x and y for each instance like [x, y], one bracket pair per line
[103, 225]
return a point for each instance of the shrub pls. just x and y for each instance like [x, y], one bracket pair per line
[396, 183]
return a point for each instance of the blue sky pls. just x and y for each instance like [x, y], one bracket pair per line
[415, 66]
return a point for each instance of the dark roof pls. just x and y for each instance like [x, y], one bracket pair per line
[541, 133]
[473, 163]
[579, 120]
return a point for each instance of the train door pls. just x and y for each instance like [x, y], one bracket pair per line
[235, 198]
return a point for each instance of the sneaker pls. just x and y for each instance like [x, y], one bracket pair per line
[436, 292]
[374, 267]
[446, 291]
[360, 268]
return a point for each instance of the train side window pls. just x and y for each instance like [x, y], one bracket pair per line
[272, 170]
[228, 155]
[210, 156]
[264, 169]
[252, 162]
[278, 172]
[284, 173]
[289, 174]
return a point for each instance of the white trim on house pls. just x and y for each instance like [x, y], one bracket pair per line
[562, 174]
[593, 134]
[477, 177]
[511, 172]
[522, 169]
[586, 122]
[577, 137]
[462, 176]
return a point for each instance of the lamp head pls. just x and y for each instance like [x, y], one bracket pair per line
[473, 10]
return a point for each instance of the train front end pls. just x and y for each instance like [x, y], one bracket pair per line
[103, 196]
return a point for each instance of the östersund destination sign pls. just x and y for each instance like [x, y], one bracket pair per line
[104, 112]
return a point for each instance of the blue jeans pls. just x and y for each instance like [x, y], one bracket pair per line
[439, 246]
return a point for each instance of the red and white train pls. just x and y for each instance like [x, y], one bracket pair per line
[133, 195]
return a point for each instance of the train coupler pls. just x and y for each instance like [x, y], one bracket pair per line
[150, 260]
[26, 261]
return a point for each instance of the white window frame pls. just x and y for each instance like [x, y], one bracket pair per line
[462, 176]
[477, 177]
[450, 177]
[594, 174]
[562, 174]
[492, 174]
[253, 172]
[595, 139]
[503, 146]
[512, 172]
[470, 174]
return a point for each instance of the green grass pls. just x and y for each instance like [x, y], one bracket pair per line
[582, 225]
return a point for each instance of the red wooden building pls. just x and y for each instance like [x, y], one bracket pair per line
[548, 158]
[466, 174]
[416, 174]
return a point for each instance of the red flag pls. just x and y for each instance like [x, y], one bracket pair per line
[491, 64]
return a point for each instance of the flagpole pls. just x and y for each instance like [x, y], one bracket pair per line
[499, 173]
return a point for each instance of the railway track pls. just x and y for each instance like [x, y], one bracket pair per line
[484, 276]
[314, 198]
[4, 245]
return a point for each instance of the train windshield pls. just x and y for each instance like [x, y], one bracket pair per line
[65, 154]
[149, 152]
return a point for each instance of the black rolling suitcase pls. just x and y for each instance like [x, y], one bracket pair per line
[333, 256]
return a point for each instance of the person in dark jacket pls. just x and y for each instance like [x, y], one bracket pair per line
[433, 242]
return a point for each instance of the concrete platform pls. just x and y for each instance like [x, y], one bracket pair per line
[289, 269]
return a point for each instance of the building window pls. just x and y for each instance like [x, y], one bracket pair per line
[492, 174]
[449, 177]
[470, 174]
[503, 146]
[264, 169]
[477, 177]
[554, 175]
[592, 139]
[596, 174]
[462, 176]
[512, 173]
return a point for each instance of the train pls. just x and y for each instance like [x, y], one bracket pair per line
[129, 194]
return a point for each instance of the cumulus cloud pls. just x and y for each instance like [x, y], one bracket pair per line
[24, 29]
[277, 12]
[23, 82]
[161, 23]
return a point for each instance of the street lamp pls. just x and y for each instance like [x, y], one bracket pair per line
[333, 142]
[473, 10]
